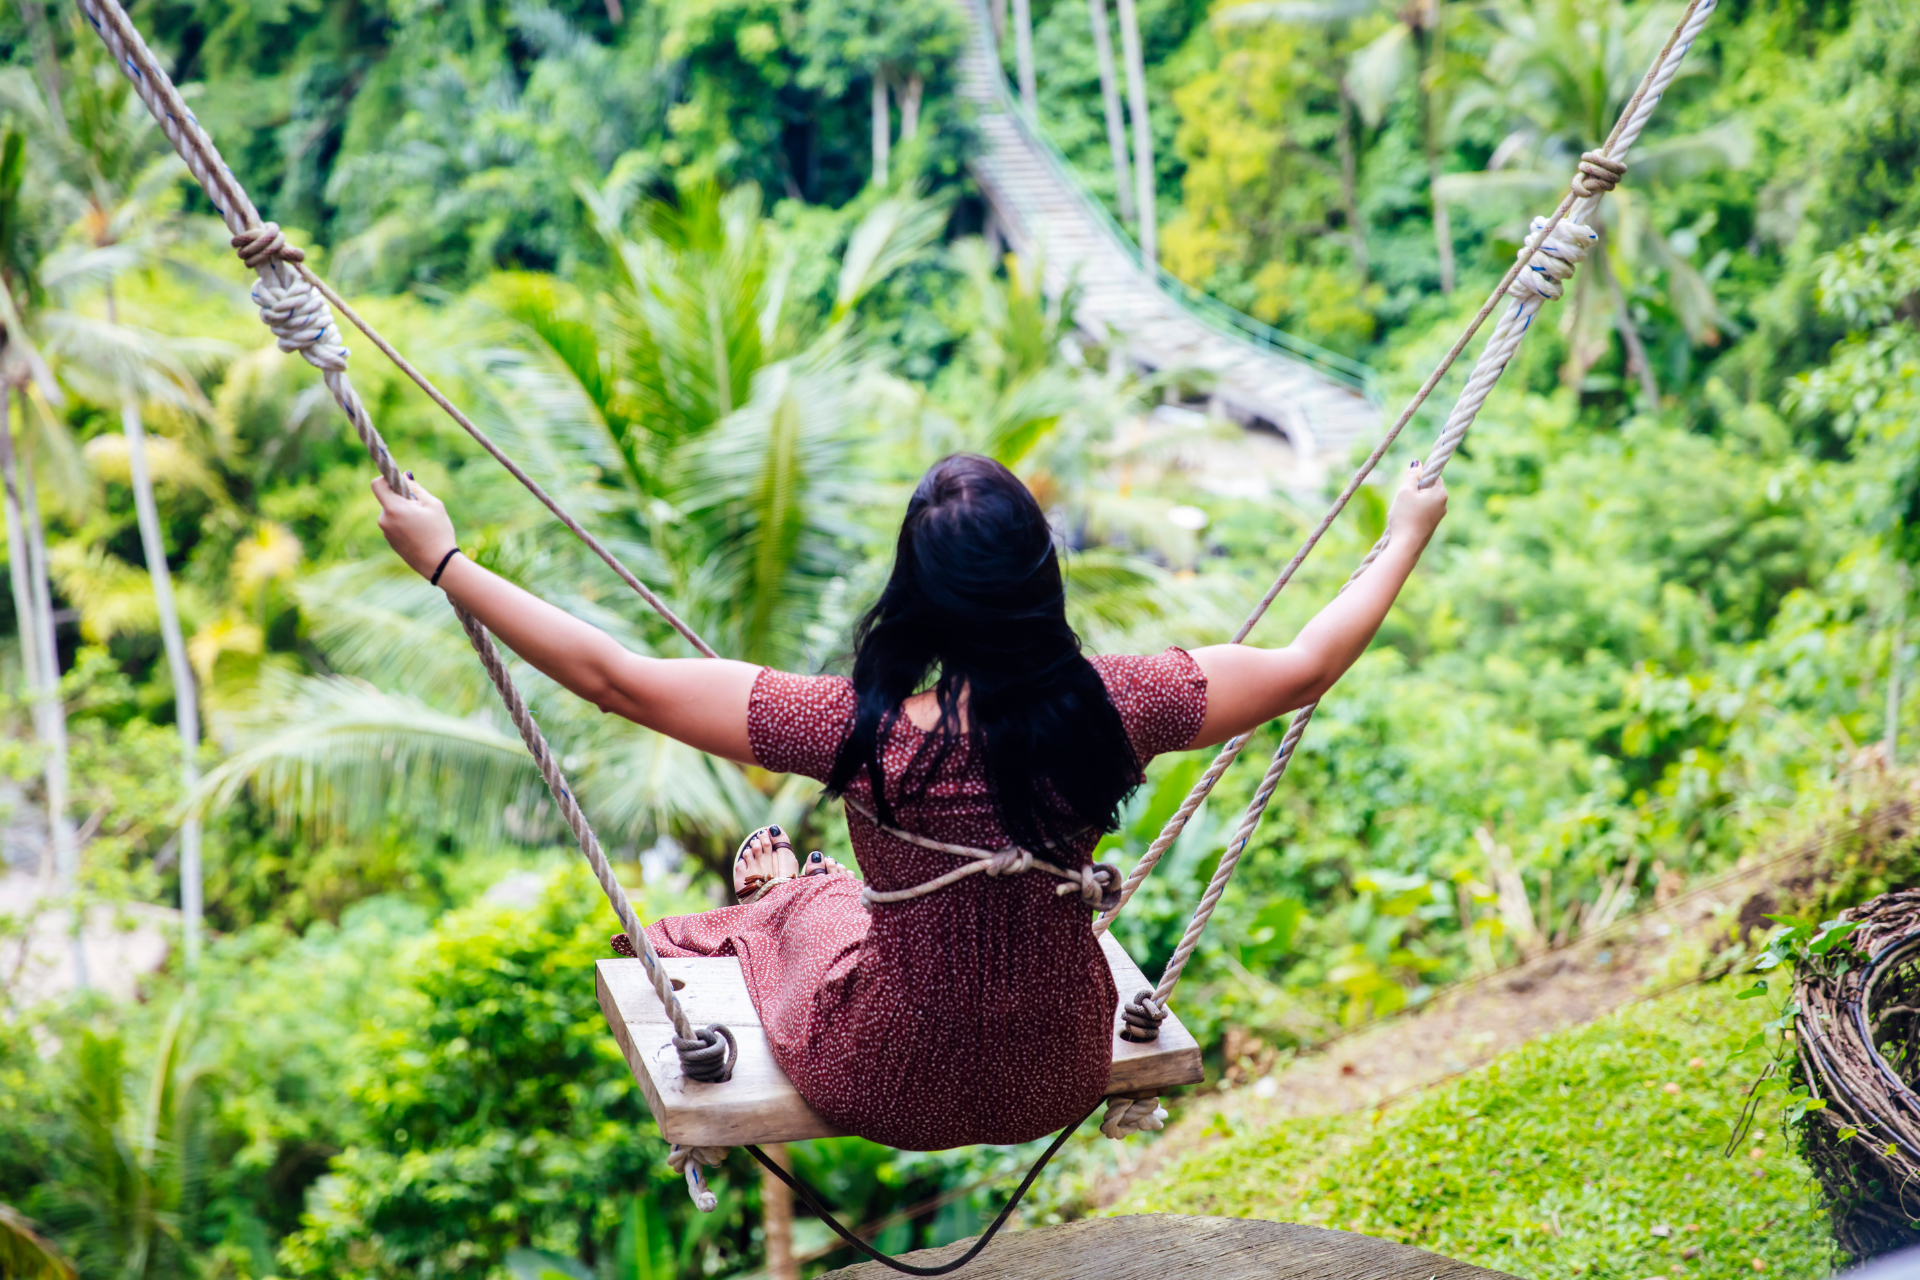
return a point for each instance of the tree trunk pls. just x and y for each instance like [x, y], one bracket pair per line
[1349, 183]
[776, 1212]
[1637, 361]
[1143, 173]
[66, 850]
[614, 13]
[997, 18]
[1428, 41]
[1110, 104]
[52, 719]
[882, 128]
[1023, 57]
[910, 106]
[1442, 222]
[186, 707]
[27, 617]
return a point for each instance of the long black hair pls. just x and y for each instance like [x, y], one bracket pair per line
[976, 596]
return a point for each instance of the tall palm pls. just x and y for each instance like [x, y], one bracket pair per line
[137, 1151]
[1410, 50]
[706, 426]
[122, 177]
[1147, 231]
[24, 372]
[1556, 76]
[1110, 108]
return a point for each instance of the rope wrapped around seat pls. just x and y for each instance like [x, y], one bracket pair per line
[1097, 884]
[1128, 1116]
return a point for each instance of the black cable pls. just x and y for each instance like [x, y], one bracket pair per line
[801, 1189]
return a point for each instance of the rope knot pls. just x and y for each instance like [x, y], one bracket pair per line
[1127, 1116]
[1141, 1018]
[1010, 861]
[688, 1160]
[707, 1055]
[1599, 173]
[265, 243]
[1098, 885]
[1553, 262]
[301, 320]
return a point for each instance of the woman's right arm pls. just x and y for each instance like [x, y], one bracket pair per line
[700, 701]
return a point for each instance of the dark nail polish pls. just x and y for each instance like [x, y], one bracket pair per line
[773, 831]
[409, 475]
[816, 856]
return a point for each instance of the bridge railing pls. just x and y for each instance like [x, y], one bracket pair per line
[1204, 307]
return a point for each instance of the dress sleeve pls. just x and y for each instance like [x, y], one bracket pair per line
[1162, 698]
[795, 724]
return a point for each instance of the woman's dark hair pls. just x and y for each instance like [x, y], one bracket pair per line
[976, 596]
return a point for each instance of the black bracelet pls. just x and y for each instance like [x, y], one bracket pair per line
[434, 581]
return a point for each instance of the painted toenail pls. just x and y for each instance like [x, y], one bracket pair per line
[773, 830]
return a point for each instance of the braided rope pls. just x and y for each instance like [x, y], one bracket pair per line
[302, 323]
[1547, 260]
[1096, 883]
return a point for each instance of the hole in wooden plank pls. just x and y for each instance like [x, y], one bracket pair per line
[678, 984]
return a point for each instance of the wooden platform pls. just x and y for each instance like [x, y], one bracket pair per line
[1165, 1246]
[759, 1104]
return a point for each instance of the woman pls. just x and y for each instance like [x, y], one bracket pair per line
[981, 1012]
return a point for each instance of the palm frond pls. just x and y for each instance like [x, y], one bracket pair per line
[27, 1254]
[333, 754]
[893, 234]
[378, 620]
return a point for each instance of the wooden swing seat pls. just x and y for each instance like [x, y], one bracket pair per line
[760, 1104]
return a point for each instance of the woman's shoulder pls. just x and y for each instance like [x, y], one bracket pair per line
[1172, 666]
[775, 686]
[796, 723]
[1161, 697]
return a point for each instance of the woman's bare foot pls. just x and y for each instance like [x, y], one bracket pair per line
[819, 864]
[765, 856]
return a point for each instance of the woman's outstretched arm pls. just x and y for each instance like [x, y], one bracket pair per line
[1247, 687]
[700, 701]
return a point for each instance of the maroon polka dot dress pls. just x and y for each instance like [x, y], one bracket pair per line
[980, 1013]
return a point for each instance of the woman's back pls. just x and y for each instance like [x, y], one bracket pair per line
[981, 1012]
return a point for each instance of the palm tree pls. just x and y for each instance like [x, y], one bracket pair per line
[706, 426]
[136, 1155]
[1410, 50]
[1556, 76]
[1148, 230]
[1110, 108]
[120, 175]
[24, 371]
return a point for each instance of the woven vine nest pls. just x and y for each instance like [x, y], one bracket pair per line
[1859, 1034]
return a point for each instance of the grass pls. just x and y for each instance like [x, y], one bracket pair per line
[1594, 1152]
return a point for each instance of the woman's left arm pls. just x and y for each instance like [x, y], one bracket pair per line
[700, 701]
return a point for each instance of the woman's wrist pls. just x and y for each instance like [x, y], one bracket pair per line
[440, 568]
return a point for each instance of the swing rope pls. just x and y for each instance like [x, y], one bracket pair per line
[298, 315]
[1548, 259]
[294, 304]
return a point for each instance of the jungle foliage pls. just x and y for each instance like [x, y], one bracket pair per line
[643, 244]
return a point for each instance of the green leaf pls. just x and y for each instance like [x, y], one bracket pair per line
[1757, 989]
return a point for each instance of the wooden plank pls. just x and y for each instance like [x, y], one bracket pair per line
[1165, 1246]
[760, 1104]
